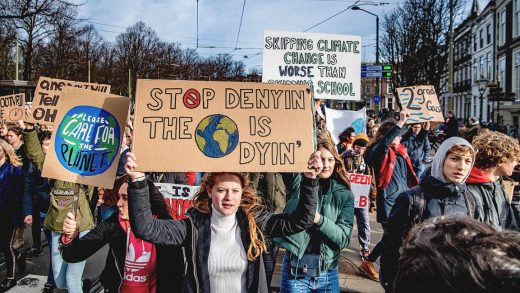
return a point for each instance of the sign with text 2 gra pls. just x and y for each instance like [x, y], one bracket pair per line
[88, 132]
[47, 97]
[222, 126]
[422, 103]
[331, 64]
[12, 108]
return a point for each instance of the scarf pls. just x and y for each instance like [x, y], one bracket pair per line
[388, 164]
[477, 176]
[139, 274]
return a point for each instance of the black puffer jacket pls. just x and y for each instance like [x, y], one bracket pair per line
[194, 233]
[170, 259]
[440, 199]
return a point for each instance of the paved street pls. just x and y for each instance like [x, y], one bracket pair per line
[350, 278]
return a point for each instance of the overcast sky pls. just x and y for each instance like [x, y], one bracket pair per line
[219, 21]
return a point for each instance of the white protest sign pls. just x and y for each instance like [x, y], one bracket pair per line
[331, 64]
[178, 198]
[360, 187]
[339, 120]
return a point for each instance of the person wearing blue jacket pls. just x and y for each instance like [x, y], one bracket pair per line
[416, 142]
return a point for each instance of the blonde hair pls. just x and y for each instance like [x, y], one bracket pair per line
[10, 154]
[250, 203]
[495, 148]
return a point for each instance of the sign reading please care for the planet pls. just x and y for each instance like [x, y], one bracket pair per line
[89, 130]
[330, 63]
[222, 126]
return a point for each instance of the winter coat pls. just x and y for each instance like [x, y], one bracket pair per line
[61, 196]
[336, 207]
[14, 204]
[494, 208]
[374, 157]
[352, 165]
[271, 188]
[452, 127]
[418, 146]
[194, 232]
[441, 198]
[170, 259]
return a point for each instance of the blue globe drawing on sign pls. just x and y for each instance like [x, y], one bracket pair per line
[358, 125]
[216, 136]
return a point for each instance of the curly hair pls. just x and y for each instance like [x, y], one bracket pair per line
[495, 148]
[458, 254]
[250, 203]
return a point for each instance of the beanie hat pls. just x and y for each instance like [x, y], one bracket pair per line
[361, 139]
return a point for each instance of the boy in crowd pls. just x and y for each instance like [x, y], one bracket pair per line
[497, 156]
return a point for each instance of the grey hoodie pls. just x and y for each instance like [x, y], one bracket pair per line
[437, 169]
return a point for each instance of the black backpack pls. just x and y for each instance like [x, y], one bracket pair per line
[418, 203]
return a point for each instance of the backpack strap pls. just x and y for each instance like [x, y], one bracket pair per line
[471, 204]
[417, 204]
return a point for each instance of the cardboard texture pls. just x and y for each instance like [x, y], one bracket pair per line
[12, 108]
[222, 126]
[331, 64]
[86, 144]
[422, 103]
[47, 97]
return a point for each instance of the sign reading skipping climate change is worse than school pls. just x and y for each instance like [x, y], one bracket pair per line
[331, 64]
[222, 126]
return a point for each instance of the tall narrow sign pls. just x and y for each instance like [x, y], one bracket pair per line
[47, 97]
[222, 126]
[331, 64]
[87, 138]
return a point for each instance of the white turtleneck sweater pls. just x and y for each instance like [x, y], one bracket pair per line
[227, 263]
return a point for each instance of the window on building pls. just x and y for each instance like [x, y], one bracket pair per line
[474, 43]
[488, 33]
[502, 72]
[388, 88]
[516, 21]
[502, 27]
[475, 71]
[481, 38]
[368, 89]
[489, 66]
[481, 67]
[390, 103]
[516, 74]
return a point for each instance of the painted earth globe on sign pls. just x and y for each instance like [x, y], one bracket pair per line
[216, 136]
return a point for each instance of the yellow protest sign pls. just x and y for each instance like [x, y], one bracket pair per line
[422, 103]
[44, 108]
[222, 126]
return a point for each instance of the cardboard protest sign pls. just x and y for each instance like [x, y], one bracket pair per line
[47, 97]
[339, 120]
[422, 103]
[178, 198]
[12, 108]
[331, 64]
[222, 126]
[87, 138]
[360, 187]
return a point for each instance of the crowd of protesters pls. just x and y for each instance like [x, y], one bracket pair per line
[443, 217]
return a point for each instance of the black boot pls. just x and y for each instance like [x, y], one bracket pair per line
[21, 264]
[7, 284]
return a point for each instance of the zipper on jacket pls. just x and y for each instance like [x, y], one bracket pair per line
[193, 252]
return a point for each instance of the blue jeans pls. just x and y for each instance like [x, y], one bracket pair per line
[327, 281]
[66, 275]
[363, 227]
[419, 171]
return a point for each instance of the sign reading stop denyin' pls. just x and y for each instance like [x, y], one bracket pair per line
[85, 146]
[222, 126]
[422, 103]
[360, 187]
[178, 198]
[47, 97]
[12, 108]
[331, 64]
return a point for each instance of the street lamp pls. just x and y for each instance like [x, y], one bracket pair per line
[482, 85]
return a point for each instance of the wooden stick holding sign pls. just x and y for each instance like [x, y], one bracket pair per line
[422, 103]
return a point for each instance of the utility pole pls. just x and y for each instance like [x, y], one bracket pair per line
[450, 54]
[17, 57]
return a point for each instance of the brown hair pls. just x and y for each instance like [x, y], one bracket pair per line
[10, 154]
[324, 141]
[495, 148]
[249, 203]
[461, 150]
[382, 131]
